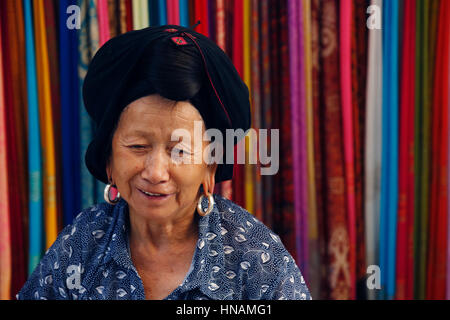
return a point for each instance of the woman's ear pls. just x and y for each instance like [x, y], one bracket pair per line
[210, 179]
[109, 172]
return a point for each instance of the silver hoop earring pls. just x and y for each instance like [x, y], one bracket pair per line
[106, 195]
[210, 205]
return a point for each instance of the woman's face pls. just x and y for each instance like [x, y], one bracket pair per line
[141, 161]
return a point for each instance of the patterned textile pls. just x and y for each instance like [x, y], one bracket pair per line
[337, 236]
[345, 48]
[236, 257]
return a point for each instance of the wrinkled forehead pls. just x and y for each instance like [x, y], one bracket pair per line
[162, 112]
[157, 105]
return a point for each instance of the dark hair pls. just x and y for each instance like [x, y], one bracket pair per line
[174, 72]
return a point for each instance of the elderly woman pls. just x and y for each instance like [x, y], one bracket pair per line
[162, 234]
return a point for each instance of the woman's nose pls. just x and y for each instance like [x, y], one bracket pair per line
[156, 167]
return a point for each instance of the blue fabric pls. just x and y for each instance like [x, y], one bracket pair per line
[389, 162]
[236, 258]
[87, 192]
[34, 146]
[69, 92]
[162, 7]
[184, 13]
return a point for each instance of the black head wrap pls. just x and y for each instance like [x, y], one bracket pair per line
[115, 79]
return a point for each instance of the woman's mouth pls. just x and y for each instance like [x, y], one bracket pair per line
[154, 196]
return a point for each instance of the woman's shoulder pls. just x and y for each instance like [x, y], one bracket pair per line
[244, 231]
[256, 256]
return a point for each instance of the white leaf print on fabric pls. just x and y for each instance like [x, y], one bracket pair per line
[210, 236]
[230, 274]
[274, 237]
[105, 273]
[228, 249]
[223, 231]
[265, 257]
[240, 238]
[121, 292]
[74, 228]
[100, 289]
[62, 292]
[98, 234]
[216, 269]
[120, 274]
[264, 288]
[213, 253]
[201, 244]
[245, 265]
[266, 245]
[48, 279]
[213, 286]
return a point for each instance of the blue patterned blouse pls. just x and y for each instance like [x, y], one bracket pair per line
[236, 258]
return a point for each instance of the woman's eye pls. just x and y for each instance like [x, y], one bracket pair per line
[181, 152]
[137, 147]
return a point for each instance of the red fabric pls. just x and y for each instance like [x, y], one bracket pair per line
[335, 198]
[405, 261]
[318, 148]
[129, 9]
[14, 91]
[359, 74]
[201, 14]
[237, 58]
[437, 246]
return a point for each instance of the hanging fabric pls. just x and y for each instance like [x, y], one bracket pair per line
[372, 159]
[345, 19]
[103, 21]
[51, 37]
[15, 96]
[321, 287]
[69, 86]
[86, 179]
[255, 78]
[359, 78]
[311, 274]
[336, 224]
[238, 61]
[34, 145]
[47, 129]
[437, 245]
[184, 13]
[404, 267]
[5, 239]
[266, 108]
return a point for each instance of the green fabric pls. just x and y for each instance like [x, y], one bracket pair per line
[426, 22]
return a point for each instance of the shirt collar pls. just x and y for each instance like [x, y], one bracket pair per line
[207, 272]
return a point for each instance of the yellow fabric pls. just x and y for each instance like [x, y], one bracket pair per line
[249, 196]
[312, 210]
[46, 120]
[137, 23]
